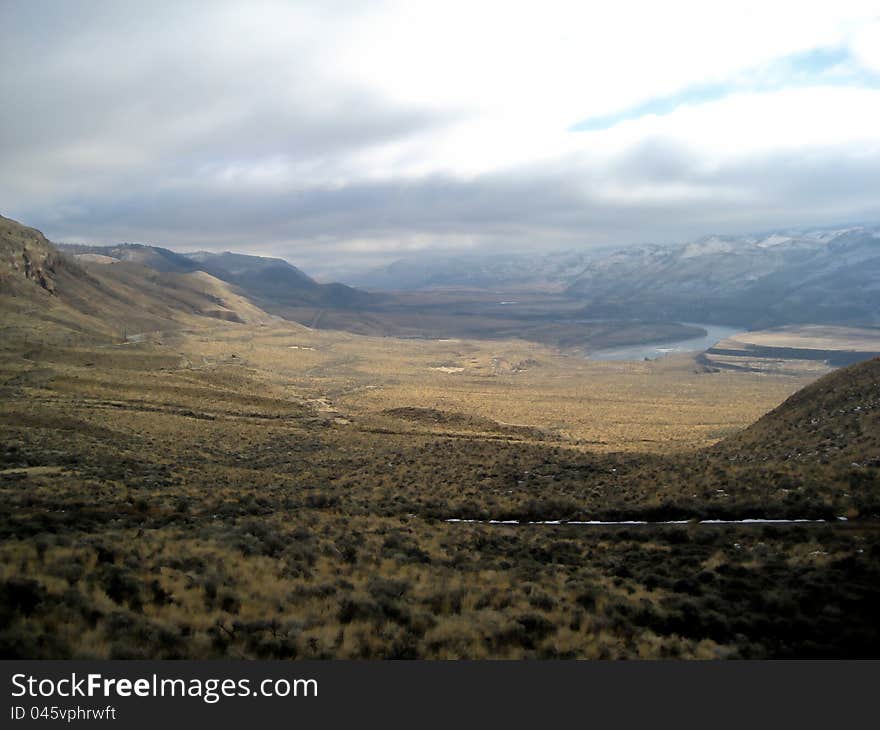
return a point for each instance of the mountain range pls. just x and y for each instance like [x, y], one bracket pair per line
[532, 271]
[818, 276]
[823, 275]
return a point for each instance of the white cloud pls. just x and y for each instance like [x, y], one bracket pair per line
[866, 45]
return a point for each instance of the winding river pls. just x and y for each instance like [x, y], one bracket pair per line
[654, 350]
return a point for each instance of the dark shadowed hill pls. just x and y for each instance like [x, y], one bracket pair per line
[274, 282]
[836, 419]
[239, 264]
[815, 456]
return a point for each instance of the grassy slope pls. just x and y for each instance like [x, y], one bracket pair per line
[46, 296]
[835, 419]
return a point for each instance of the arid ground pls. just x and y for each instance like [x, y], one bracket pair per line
[267, 490]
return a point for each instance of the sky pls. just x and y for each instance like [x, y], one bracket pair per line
[344, 135]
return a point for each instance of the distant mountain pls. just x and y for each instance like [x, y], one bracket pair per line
[272, 283]
[544, 271]
[822, 276]
[160, 259]
[829, 275]
[244, 265]
[275, 282]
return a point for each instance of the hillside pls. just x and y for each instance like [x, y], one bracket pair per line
[834, 420]
[826, 276]
[26, 258]
[815, 455]
[271, 282]
[47, 296]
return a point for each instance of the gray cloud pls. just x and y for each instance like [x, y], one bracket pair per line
[493, 212]
[136, 122]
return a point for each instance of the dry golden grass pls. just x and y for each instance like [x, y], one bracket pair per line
[272, 491]
[611, 406]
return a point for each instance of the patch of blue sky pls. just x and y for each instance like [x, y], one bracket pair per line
[833, 66]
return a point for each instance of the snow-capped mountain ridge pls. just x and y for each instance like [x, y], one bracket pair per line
[823, 275]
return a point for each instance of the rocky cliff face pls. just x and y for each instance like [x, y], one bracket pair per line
[26, 257]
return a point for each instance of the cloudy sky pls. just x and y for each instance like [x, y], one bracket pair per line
[343, 134]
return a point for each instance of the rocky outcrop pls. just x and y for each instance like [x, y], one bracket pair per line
[26, 256]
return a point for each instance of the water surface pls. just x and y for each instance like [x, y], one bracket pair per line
[654, 350]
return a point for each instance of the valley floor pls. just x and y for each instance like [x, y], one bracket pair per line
[273, 491]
